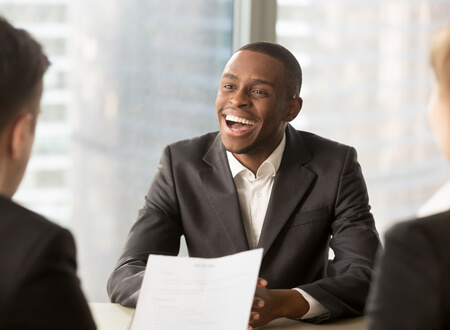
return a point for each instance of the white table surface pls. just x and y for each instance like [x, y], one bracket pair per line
[115, 317]
[111, 316]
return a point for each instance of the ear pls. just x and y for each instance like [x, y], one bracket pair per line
[294, 106]
[22, 136]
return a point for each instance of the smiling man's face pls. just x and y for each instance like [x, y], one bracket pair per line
[252, 105]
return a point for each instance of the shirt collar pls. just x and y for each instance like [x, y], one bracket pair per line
[271, 164]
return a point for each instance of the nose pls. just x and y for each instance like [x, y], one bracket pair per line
[240, 98]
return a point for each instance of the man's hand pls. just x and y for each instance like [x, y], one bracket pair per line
[269, 305]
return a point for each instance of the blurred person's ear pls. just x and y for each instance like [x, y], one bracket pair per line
[22, 136]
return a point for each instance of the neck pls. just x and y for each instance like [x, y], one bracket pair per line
[9, 178]
[251, 161]
[5, 186]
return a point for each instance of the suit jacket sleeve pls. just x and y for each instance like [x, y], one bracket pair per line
[48, 295]
[157, 231]
[354, 241]
[407, 284]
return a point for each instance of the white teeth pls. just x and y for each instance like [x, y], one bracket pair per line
[240, 120]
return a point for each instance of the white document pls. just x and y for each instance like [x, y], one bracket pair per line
[196, 293]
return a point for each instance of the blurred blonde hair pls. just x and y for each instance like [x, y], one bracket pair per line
[440, 57]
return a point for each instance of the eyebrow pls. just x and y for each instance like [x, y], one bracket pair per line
[264, 82]
[256, 80]
[230, 75]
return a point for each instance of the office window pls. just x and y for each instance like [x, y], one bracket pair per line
[366, 83]
[127, 78]
[45, 187]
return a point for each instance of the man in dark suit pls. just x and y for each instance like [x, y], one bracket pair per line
[261, 183]
[412, 287]
[39, 288]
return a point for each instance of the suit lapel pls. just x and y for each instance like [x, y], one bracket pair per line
[221, 191]
[290, 186]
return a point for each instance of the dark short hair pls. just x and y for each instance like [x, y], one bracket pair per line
[292, 67]
[22, 66]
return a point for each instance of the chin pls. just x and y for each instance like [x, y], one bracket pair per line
[234, 150]
[237, 149]
[242, 151]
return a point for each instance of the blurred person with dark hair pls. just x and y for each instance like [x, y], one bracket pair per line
[412, 286]
[39, 288]
[260, 183]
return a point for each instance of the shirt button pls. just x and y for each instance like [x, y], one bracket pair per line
[258, 194]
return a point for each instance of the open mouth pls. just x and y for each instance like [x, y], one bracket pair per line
[239, 124]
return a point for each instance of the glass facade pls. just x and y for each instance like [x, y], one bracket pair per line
[45, 187]
[366, 83]
[145, 74]
[127, 78]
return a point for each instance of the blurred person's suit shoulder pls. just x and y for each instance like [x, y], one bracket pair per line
[39, 288]
[413, 288]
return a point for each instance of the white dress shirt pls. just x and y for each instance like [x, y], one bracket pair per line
[254, 194]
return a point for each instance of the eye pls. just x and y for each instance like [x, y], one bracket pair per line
[228, 87]
[259, 92]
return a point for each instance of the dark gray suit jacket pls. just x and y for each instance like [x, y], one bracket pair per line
[39, 288]
[318, 194]
[412, 287]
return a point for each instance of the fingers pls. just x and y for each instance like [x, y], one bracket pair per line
[258, 302]
[261, 283]
[254, 316]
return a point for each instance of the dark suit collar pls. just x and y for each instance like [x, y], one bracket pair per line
[290, 186]
[221, 192]
[296, 149]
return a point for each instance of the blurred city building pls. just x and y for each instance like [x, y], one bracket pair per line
[366, 83]
[127, 78]
[145, 73]
[45, 187]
